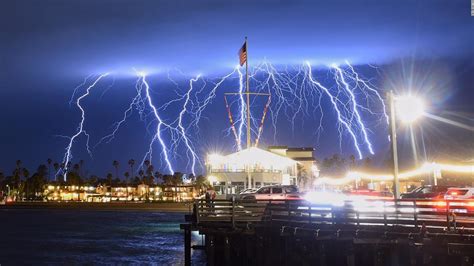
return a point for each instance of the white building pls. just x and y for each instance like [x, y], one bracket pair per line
[277, 165]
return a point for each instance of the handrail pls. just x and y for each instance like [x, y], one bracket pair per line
[369, 212]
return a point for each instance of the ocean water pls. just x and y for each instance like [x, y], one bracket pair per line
[40, 236]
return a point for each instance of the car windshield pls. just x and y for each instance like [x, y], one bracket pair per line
[264, 190]
[426, 190]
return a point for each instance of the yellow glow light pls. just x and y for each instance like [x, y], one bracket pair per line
[426, 168]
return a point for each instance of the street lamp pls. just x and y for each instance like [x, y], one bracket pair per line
[408, 109]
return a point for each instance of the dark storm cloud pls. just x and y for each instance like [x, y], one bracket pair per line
[87, 36]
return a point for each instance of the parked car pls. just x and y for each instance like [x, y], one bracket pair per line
[459, 193]
[248, 191]
[277, 192]
[426, 192]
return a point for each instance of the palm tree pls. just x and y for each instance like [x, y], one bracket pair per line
[81, 165]
[127, 175]
[25, 174]
[131, 162]
[158, 176]
[63, 168]
[109, 180]
[76, 168]
[56, 169]
[18, 169]
[149, 173]
[49, 168]
[115, 163]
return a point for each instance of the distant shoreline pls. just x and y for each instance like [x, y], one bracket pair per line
[109, 206]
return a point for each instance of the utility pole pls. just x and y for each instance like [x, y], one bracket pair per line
[393, 139]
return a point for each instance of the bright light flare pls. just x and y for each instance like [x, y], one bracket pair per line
[325, 197]
[409, 108]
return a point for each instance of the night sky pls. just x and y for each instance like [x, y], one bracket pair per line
[48, 47]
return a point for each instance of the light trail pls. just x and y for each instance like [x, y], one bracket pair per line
[80, 130]
[427, 168]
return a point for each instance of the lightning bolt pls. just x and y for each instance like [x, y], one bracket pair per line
[296, 94]
[354, 106]
[211, 95]
[242, 110]
[159, 126]
[183, 130]
[136, 103]
[339, 114]
[80, 129]
[368, 86]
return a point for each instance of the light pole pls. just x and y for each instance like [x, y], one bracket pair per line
[393, 139]
[408, 109]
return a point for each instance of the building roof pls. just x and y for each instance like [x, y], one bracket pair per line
[252, 156]
[301, 149]
[277, 147]
[311, 159]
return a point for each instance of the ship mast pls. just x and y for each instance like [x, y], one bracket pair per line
[248, 95]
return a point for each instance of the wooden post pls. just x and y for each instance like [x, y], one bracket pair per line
[227, 251]
[233, 212]
[211, 254]
[447, 216]
[415, 215]
[187, 245]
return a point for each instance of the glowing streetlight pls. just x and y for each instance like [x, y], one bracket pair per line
[409, 108]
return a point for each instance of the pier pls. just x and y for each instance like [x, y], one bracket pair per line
[357, 232]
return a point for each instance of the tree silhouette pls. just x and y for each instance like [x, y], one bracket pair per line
[56, 169]
[109, 180]
[131, 162]
[81, 168]
[115, 164]
[127, 175]
[49, 161]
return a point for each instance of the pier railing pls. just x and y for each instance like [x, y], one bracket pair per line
[446, 215]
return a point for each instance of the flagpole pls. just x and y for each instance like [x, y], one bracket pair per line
[248, 93]
[249, 177]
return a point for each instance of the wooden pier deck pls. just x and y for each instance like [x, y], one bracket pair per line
[284, 232]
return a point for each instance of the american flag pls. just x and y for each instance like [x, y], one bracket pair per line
[243, 54]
